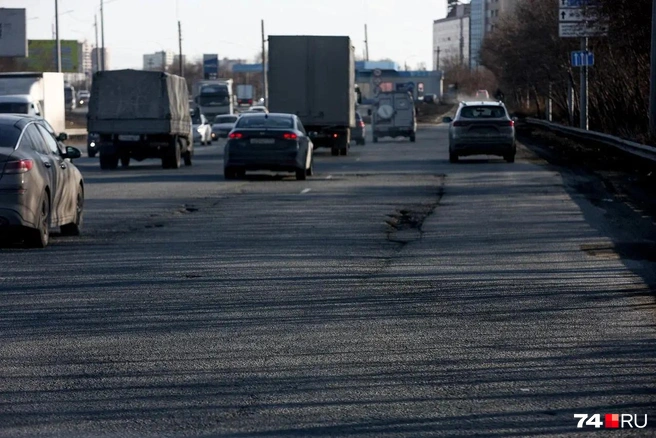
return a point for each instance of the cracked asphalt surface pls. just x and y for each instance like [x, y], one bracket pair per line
[391, 295]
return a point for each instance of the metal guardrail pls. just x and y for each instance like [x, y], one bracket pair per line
[637, 149]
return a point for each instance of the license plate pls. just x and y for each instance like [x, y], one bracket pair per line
[128, 137]
[262, 140]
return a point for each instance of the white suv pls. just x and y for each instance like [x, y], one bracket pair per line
[481, 128]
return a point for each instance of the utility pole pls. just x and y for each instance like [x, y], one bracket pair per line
[366, 43]
[652, 91]
[95, 24]
[102, 37]
[584, 88]
[180, 63]
[462, 42]
[265, 90]
[58, 43]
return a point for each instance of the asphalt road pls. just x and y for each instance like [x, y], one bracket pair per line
[393, 294]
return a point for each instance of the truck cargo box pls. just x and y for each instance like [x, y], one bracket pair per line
[314, 78]
[139, 102]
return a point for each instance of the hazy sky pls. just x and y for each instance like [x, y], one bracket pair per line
[398, 29]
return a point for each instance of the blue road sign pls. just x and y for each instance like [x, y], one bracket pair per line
[582, 59]
[578, 3]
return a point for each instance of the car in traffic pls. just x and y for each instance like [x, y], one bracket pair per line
[201, 128]
[481, 128]
[268, 141]
[358, 133]
[257, 109]
[223, 125]
[482, 95]
[83, 97]
[40, 187]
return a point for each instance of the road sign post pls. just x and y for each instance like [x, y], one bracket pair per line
[584, 88]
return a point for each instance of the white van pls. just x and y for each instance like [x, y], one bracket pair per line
[394, 115]
[20, 104]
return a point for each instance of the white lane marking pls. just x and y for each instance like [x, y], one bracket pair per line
[329, 177]
[304, 191]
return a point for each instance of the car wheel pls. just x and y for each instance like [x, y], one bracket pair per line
[229, 173]
[91, 154]
[301, 174]
[334, 151]
[413, 138]
[73, 229]
[510, 157]
[39, 237]
[187, 158]
[375, 139]
[125, 160]
[453, 158]
[108, 161]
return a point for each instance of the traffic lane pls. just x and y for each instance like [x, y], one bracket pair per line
[194, 322]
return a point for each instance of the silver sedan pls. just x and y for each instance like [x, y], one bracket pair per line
[40, 187]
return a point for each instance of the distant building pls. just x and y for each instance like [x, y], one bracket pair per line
[96, 59]
[451, 37]
[158, 61]
[176, 60]
[485, 16]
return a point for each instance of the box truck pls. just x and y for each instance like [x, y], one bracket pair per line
[314, 78]
[45, 91]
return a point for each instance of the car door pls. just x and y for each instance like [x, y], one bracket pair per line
[305, 142]
[63, 196]
[403, 111]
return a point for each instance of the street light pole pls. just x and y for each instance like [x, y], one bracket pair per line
[102, 37]
[58, 42]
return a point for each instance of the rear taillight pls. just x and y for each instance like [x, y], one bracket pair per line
[458, 123]
[20, 166]
[236, 135]
[511, 123]
[361, 124]
[289, 136]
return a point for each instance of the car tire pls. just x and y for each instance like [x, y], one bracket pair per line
[125, 160]
[310, 170]
[174, 158]
[334, 151]
[40, 237]
[453, 158]
[73, 229]
[413, 138]
[375, 139]
[301, 174]
[510, 158]
[187, 158]
[91, 154]
[363, 142]
[229, 173]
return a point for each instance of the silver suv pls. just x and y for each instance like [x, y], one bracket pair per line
[481, 128]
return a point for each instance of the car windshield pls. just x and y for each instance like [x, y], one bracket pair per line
[14, 108]
[280, 122]
[482, 112]
[225, 119]
[9, 135]
[214, 95]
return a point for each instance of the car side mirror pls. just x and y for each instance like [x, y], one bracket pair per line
[447, 120]
[62, 136]
[313, 134]
[72, 153]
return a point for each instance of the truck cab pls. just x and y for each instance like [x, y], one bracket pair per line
[393, 115]
[20, 104]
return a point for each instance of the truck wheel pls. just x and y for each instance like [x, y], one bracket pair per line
[91, 154]
[453, 158]
[108, 161]
[375, 139]
[334, 151]
[187, 158]
[301, 174]
[229, 173]
[175, 156]
[125, 160]
[412, 138]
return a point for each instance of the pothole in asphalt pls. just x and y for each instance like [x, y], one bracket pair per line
[641, 251]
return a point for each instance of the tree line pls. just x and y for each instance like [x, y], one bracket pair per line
[532, 63]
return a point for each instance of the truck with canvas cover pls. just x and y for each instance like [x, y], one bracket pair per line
[314, 78]
[138, 115]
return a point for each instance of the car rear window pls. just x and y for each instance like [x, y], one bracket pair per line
[9, 136]
[225, 119]
[276, 122]
[483, 112]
